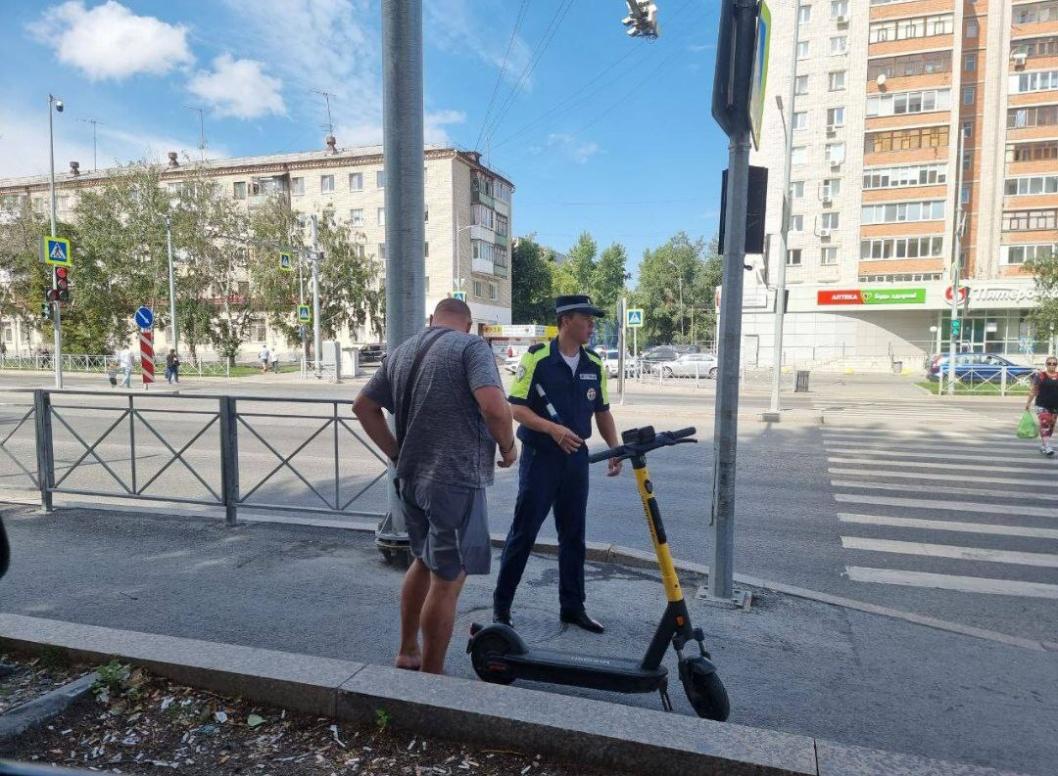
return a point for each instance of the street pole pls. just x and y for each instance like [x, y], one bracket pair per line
[172, 283]
[402, 153]
[956, 262]
[622, 319]
[784, 229]
[56, 318]
[316, 344]
[301, 326]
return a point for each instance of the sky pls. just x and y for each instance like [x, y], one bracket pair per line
[598, 131]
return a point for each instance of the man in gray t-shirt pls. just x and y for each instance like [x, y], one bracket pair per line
[456, 416]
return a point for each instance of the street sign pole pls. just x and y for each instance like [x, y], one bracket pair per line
[316, 344]
[956, 269]
[622, 318]
[56, 318]
[172, 284]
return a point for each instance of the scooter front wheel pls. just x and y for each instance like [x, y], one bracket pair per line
[486, 653]
[704, 689]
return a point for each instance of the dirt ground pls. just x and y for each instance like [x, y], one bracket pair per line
[137, 723]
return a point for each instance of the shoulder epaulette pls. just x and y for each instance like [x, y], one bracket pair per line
[536, 347]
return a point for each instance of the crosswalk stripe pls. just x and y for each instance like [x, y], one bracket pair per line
[952, 455]
[936, 489]
[948, 506]
[1040, 559]
[870, 472]
[922, 443]
[949, 525]
[1028, 468]
[952, 582]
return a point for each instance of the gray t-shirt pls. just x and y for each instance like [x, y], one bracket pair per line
[446, 438]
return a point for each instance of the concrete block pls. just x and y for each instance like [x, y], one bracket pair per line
[21, 718]
[297, 682]
[839, 760]
[576, 730]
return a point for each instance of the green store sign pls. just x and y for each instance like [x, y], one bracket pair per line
[894, 296]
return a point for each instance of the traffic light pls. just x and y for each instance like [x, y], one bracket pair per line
[956, 325]
[62, 283]
[45, 311]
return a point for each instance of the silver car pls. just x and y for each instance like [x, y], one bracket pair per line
[691, 365]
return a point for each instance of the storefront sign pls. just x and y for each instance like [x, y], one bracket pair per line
[1023, 295]
[872, 296]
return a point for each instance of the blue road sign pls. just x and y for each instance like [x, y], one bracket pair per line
[304, 313]
[57, 252]
[144, 317]
[634, 317]
[460, 295]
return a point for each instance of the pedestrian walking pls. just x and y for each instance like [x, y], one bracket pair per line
[263, 358]
[125, 366]
[274, 360]
[172, 367]
[445, 392]
[559, 388]
[1044, 395]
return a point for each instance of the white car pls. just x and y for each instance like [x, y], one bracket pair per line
[611, 360]
[511, 364]
[691, 365]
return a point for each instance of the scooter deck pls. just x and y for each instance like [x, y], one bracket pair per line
[601, 673]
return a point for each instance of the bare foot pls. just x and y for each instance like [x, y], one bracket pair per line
[408, 662]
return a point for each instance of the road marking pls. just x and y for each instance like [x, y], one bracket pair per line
[952, 582]
[948, 506]
[1027, 468]
[1044, 560]
[949, 525]
[922, 443]
[870, 472]
[952, 455]
[936, 489]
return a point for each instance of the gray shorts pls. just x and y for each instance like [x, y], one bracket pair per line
[448, 527]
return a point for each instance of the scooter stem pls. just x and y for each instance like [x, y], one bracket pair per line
[657, 530]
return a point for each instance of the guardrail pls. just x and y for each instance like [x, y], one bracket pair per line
[73, 362]
[984, 381]
[212, 446]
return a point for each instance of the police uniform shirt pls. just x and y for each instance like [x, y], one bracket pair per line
[575, 396]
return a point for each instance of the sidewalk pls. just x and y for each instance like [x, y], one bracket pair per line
[790, 664]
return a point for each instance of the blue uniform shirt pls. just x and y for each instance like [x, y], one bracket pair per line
[575, 397]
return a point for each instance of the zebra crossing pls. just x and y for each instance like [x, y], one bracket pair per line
[843, 410]
[962, 507]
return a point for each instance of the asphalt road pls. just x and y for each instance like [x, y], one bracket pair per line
[897, 499]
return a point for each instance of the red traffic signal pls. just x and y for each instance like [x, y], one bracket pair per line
[62, 284]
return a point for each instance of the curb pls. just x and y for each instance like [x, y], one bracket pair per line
[574, 729]
[21, 718]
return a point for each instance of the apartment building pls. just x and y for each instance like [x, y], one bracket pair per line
[468, 217]
[882, 90]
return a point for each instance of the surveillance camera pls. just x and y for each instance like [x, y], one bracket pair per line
[58, 105]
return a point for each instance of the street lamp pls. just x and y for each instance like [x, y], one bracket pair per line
[56, 319]
[172, 283]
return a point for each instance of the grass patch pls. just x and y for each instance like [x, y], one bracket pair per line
[976, 389]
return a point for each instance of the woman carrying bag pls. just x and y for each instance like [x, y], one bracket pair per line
[1045, 393]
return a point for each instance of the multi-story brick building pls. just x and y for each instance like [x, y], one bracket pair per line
[468, 216]
[883, 89]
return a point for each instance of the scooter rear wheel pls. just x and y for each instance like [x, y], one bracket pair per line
[705, 691]
[487, 657]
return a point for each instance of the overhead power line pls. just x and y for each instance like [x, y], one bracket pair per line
[503, 69]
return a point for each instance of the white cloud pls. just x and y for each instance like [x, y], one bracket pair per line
[239, 88]
[434, 125]
[110, 42]
[463, 27]
[568, 145]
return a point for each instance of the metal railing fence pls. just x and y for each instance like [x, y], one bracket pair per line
[983, 381]
[212, 446]
[79, 362]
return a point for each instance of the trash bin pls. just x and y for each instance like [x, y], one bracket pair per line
[801, 385]
[898, 367]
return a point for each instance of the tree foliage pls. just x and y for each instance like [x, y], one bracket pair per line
[1045, 314]
[532, 267]
[676, 288]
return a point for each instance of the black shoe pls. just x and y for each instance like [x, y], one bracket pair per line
[503, 618]
[582, 620]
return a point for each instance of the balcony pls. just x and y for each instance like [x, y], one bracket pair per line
[479, 232]
[483, 265]
[501, 239]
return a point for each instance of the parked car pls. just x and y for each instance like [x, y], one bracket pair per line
[510, 363]
[978, 368]
[651, 358]
[372, 354]
[611, 360]
[691, 365]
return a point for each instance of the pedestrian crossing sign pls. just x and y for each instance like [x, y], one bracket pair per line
[304, 314]
[56, 252]
[460, 295]
[634, 317]
[286, 263]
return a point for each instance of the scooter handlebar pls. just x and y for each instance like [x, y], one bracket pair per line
[662, 439]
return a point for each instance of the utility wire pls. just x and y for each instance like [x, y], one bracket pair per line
[503, 69]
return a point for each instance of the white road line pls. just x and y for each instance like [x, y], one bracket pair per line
[949, 506]
[1041, 559]
[1033, 469]
[949, 525]
[937, 489]
[871, 472]
[952, 582]
[953, 455]
[923, 443]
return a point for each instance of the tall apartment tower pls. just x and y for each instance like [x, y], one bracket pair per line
[882, 90]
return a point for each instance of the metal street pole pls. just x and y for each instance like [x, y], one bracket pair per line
[316, 344]
[784, 229]
[622, 319]
[402, 153]
[56, 318]
[956, 262]
[172, 283]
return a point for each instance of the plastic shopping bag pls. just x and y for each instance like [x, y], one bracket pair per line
[1027, 426]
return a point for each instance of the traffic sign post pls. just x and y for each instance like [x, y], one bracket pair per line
[56, 251]
[286, 261]
[634, 317]
[147, 356]
[304, 313]
[144, 317]
[460, 295]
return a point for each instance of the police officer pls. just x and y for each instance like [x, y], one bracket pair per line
[559, 387]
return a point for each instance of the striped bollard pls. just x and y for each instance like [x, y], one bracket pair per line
[147, 356]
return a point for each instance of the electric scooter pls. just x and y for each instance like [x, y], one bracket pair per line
[499, 654]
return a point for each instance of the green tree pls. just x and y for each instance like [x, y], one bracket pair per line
[23, 277]
[608, 278]
[674, 289]
[1045, 315]
[532, 300]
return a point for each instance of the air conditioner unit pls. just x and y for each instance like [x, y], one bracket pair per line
[832, 128]
[835, 163]
[824, 233]
[843, 20]
[826, 198]
[1018, 59]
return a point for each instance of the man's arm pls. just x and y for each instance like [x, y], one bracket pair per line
[497, 414]
[369, 413]
[604, 420]
[564, 437]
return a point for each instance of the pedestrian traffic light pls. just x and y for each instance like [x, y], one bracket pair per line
[62, 283]
[956, 324]
[45, 311]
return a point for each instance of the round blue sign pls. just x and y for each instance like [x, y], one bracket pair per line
[144, 317]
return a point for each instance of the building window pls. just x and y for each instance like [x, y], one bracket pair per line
[909, 102]
[801, 85]
[426, 250]
[836, 80]
[239, 190]
[901, 212]
[835, 153]
[356, 181]
[793, 257]
[499, 260]
[830, 221]
[830, 188]
[905, 175]
[907, 65]
[797, 189]
[800, 120]
[835, 117]
[479, 249]
[828, 256]
[483, 216]
[798, 155]
[297, 186]
[382, 251]
[839, 9]
[502, 225]
[802, 49]
[492, 291]
[797, 223]
[1032, 13]
[964, 195]
[380, 179]
[967, 129]
[477, 289]
[906, 139]
[839, 44]
[804, 14]
[381, 213]
[1037, 184]
[356, 216]
[918, 27]
[327, 184]
[972, 28]
[1046, 150]
[1038, 116]
[1019, 254]
[902, 248]
[969, 95]
[1041, 81]
[969, 63]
